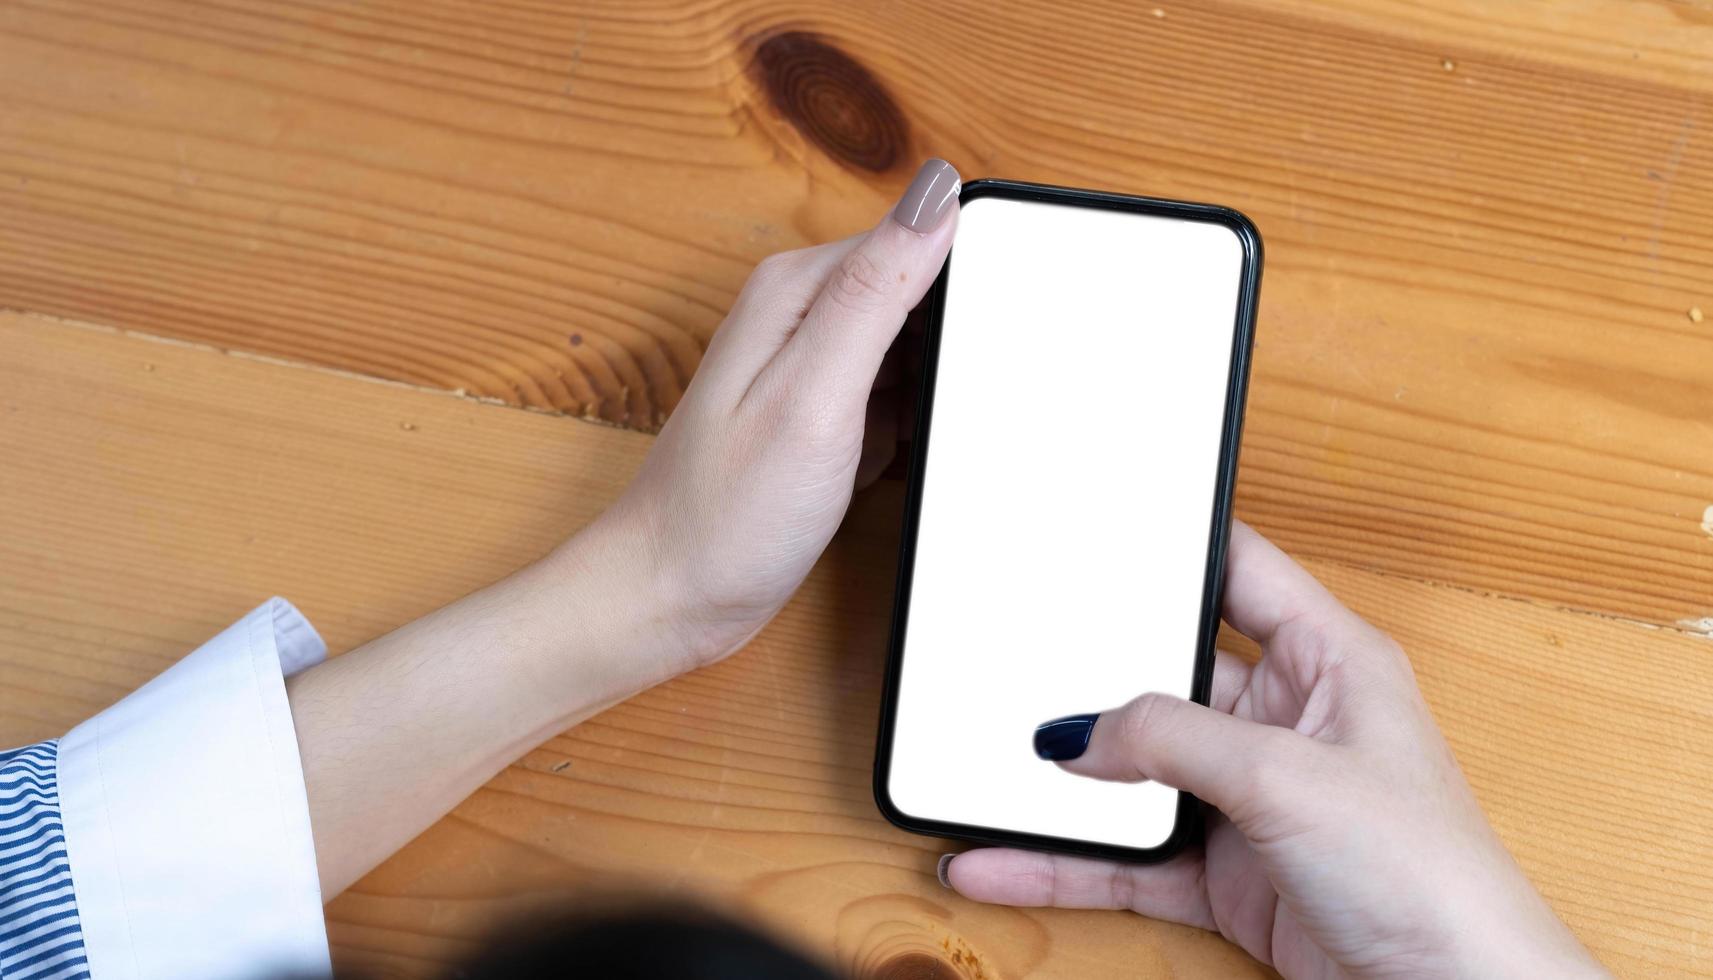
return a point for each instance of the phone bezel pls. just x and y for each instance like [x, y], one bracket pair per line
[1187, 824]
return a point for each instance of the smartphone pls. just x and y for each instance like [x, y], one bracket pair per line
[1068, 507]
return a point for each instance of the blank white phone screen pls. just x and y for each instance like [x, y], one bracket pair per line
[1067, 500]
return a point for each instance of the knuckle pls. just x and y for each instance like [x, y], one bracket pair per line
[765, 270]
[859, 283]
[1355, 646]
[782, 262]
[1394, 654]
[1318, 636]
[1146, 715]
[1036, 877]
[1141, 723]
[771, 271]
[1122, 887]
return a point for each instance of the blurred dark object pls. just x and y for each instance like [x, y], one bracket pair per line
[657, 944]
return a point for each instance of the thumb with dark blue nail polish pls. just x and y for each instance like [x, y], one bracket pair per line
[1066, 738]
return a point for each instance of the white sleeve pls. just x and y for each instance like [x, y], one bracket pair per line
[186, 824]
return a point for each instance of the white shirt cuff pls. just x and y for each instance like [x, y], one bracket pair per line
[186, 823]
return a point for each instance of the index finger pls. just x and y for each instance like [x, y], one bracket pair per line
[1265, 589]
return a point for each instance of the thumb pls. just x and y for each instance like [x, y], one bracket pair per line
[857, 314]
[1242, 767]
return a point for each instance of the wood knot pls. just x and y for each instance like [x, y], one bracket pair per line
[833, 100]
[915, 966]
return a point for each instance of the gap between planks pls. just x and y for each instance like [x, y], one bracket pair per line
[1697, 628]
[243, 355]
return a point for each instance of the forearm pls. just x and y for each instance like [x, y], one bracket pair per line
[742, 490]
[396, 733]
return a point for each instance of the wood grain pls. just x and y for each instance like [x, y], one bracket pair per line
[1485, 223]
[154, 491]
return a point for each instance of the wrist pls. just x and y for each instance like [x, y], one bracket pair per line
[1520, 936]
[677, 585]
[1527, 957]
[621, 601]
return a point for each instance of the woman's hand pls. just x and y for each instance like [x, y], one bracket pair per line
[751, 476]
[1347, 840]
[739, 496]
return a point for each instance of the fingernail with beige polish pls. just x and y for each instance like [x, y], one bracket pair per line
[944, 868]
[929, 197]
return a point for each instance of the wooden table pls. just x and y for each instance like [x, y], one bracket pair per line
[282, 275]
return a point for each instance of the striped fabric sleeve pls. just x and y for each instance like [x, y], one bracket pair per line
[40, 938]
[167, 837]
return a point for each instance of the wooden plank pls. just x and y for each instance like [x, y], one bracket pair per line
[1664, 43]
[154, 492]
[1484, 224]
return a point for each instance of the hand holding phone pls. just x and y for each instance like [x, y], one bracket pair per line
[711, 588]
[1347, 840]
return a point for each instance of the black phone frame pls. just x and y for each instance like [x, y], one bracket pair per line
[1188, 823]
